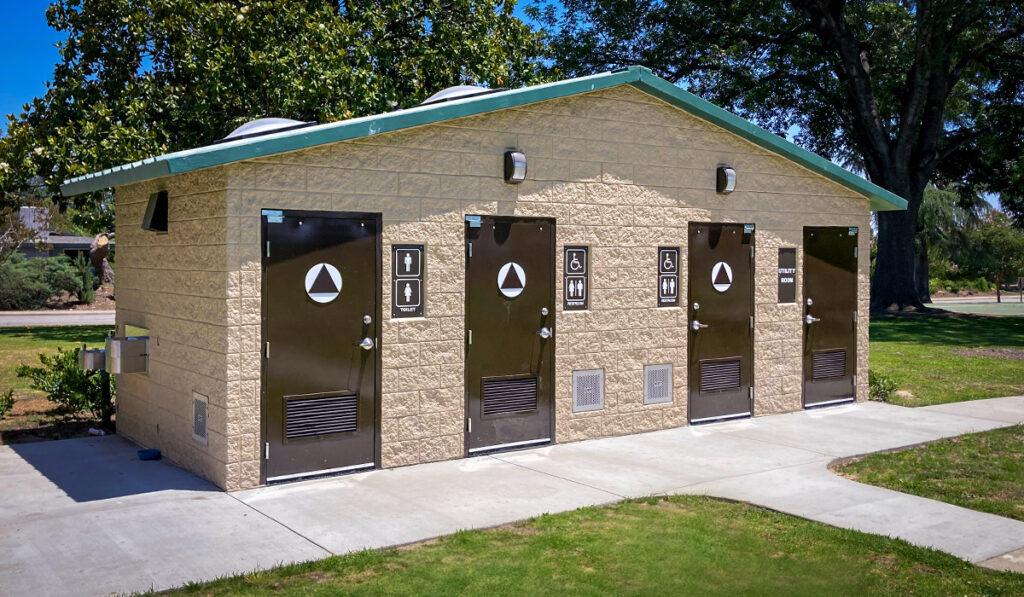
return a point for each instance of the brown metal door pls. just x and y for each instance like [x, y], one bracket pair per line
[830, 315]
[721, 311]
[321, 312]
[510, 297]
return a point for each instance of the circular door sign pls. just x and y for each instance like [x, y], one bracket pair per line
[323, 282]
[721, 276]
[511, 279]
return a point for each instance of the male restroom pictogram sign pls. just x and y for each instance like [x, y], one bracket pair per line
[668, 276]
[407, 266]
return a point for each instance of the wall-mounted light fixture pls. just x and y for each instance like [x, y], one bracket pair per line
[515, 167]
[155, 219]
[726, 180]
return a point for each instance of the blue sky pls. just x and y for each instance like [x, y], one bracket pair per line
[29, 51]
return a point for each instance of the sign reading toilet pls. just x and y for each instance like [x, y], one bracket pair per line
[576, 279]
[407, 265]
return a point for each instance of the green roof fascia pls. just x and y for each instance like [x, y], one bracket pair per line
[881, 199]
[637, 76]
[264, 145]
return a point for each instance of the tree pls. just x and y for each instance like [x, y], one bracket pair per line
[996, 252]
[945, 219]
[907, 92]
[142, 77]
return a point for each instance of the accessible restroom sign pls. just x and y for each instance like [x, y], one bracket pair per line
[576, 279]
[407, 281]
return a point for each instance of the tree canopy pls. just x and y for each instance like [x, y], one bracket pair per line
[908, 92]
[142, 77]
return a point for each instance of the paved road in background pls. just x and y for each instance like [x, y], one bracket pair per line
[87, 517]
[1009, 306]
[17, 319]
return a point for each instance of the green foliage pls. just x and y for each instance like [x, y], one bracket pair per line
[138, 78]
[29, 283]
[995, 251]
[958, 285]
[72, 389]
[880, 387]
[90, 281]
[6, 402]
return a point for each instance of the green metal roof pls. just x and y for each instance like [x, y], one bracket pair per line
[642, 78]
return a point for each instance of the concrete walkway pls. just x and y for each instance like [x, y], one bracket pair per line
[13, 319]
[85, 517]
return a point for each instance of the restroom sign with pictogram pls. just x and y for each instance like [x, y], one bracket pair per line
[323, 283]
[576, 279]
[668, 276]
[511, 279]
[407, 267]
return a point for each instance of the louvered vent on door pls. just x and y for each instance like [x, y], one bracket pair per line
[828, 363]
[587, 390]
[200, 408]
[320, 415]
[719, 375]
[657, 384]
[504, 396]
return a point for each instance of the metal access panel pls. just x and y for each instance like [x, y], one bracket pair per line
[721, 314]
[830, 315]
[321, 302]
[510, 344]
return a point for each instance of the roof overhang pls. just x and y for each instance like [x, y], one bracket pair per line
[642, 78]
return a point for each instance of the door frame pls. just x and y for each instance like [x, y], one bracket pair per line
[465, 326]
[691, 375]
[803, 326]
[377, 310]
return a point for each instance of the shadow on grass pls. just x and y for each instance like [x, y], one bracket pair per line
[950, 329]
[91, 334]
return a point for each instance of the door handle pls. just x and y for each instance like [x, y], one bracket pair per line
[696, 325]
[545, 332]
[366, 344]
[809, 319]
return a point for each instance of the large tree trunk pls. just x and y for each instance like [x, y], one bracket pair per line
[921, 272]
[894, 284]
[98, 251]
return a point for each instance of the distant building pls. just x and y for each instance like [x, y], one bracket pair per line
[50, 243]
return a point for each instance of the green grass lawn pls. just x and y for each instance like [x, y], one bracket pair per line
[949, 358]
[981, 471]
[673, 546]
[22, 346]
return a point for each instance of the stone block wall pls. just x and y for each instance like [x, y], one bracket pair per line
[620, 171]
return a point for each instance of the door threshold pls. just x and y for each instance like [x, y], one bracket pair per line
[830, 402]
[320, 473]
[720, 418]
[523, 444]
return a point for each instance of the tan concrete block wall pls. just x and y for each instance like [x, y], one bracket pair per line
[621, 172]
[177, 285]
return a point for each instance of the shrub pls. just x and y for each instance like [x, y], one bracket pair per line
[72, 389]
[29, 283]
[88, 279]
[6, 402]
[880, 387]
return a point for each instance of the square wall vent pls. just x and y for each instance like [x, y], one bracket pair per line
[587, 390]
[200, 408]
[657, 384]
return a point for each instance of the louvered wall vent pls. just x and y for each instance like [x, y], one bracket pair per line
[504, 396]
[828, 363]
[719, 375]
[200, 410]
[657, 384]
[587, 390]
[322, 415]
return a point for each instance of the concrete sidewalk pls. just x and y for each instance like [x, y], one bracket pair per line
[12, 319]
[84, 516]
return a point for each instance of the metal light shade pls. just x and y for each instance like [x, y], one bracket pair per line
[515, 167]
[726, 180]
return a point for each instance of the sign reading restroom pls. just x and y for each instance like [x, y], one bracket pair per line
[668, 276]
[787, 275]
[576, 279]
[407, 281]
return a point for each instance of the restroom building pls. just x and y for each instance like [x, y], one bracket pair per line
[490, 270]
